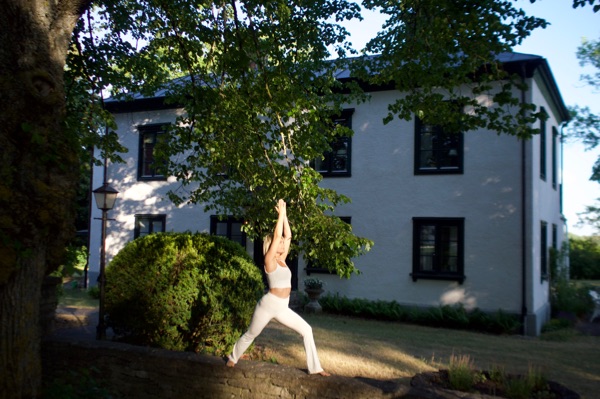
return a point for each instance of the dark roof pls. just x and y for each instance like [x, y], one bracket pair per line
[522, 64]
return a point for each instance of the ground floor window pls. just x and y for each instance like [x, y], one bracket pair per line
[229, 227]
[313, 266]
[148, 224]
[438, 249]
[544, 250]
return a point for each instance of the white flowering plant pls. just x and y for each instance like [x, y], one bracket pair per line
[313, 283]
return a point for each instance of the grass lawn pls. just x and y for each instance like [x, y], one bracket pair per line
[590, 283]
[383, 350]
[76, 298]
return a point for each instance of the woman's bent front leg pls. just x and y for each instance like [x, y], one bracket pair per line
[291, 319]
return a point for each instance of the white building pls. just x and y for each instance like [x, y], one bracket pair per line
[468, 220]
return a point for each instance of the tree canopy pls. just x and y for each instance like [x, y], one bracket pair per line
[585, 124]
[257, 82]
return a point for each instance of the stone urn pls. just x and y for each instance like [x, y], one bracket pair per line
[313, 306]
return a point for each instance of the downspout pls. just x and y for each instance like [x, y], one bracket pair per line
[523, 220]
[89, 234]
[566, 255]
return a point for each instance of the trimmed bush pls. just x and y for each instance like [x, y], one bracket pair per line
[182, 291]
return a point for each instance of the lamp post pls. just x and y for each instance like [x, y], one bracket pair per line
[105, 200]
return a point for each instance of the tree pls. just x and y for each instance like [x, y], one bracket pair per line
[38, 176]
[585, 125]
[443, 55]
[259, 92]
[584, 258]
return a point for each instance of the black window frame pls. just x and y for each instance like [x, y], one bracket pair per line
[554, 156]
[229, 221]
[151, 218]
[313, 266]
[543, 133]
[544, 250]
[154, 130]
[329, 158]
[437, 152]
[554, 258]
[418, 272]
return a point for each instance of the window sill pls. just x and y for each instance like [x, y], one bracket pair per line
[460, 278]
[152, 178]
[333, 174]
[317, 270]
[449, 171]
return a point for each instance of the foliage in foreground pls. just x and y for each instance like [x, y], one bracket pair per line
[182, 291]
[463, 376]
[76, 385]
[444, 316]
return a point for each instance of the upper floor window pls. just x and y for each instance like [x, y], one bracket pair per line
[150, 135]
[337, 161]
[543, 144]
[229, 227]
[438, 249]
[148, 224]
[554, 156]
[436, 150]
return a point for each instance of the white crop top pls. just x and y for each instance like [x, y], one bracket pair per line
[281, 277]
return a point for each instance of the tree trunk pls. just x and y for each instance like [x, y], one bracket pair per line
[38, 176]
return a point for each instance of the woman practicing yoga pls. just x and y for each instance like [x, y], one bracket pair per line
[275, 303]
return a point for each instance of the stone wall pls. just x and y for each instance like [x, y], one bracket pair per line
[139, 372]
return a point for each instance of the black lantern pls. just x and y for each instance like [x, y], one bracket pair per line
[105, 200]
[105, 196]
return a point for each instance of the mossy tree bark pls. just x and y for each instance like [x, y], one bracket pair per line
[38, 175]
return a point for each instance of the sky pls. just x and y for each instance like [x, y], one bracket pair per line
[558, 44]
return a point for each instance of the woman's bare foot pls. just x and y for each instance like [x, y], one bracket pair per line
[230, 363]
[323, 373]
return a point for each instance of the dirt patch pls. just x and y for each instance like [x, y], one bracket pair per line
[487, 385]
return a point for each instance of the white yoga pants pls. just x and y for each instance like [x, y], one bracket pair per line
[270, 307]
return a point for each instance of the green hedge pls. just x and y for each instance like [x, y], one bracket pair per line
[182, 291]
[443, 316]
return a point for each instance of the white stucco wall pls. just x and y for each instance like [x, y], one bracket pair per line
[544, 206]
[386, 195]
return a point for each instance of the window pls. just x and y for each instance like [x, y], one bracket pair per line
[543, 145]
[337, 162]
[313, 266]
[229, 227]
[554, 156]
[437, 151]
[438, 249]
[544, 250]
[150, 135]
[148, 224]
[554, 257]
